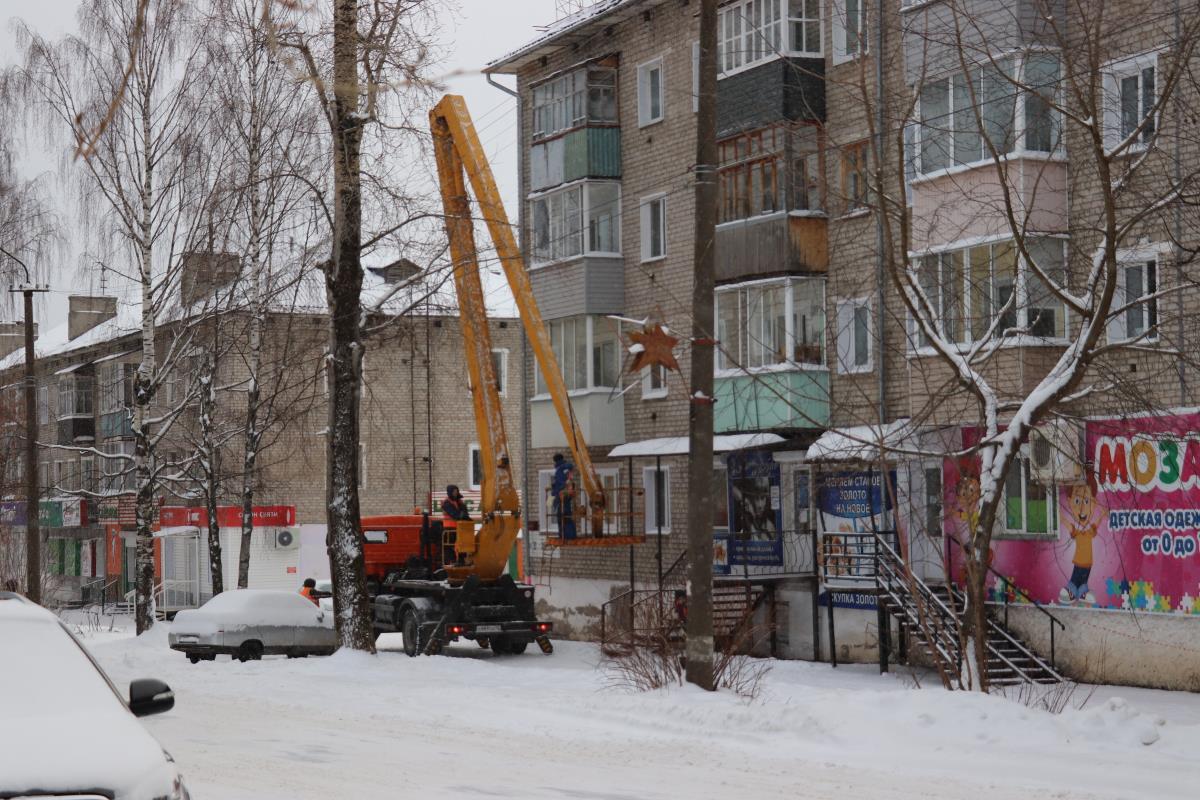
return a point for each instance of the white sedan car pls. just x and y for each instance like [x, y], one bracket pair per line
[250, 623]
[65, 731]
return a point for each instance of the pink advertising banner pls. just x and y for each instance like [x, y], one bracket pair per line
[1125, 539]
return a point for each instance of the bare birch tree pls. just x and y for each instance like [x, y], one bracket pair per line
[139, 191]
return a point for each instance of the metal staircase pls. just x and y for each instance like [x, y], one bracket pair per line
[930, 616]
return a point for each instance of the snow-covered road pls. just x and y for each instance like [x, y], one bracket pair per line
[471, 725]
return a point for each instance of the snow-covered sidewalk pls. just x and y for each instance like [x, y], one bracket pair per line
[468, 724]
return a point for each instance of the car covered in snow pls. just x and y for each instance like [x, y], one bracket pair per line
[66, 731]
[250, 623]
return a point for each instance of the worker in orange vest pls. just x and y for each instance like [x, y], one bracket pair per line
[306, 591]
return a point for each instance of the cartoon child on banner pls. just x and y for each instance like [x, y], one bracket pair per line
[1083, 527]
[966, 495]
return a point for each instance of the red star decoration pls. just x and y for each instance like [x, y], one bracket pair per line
[657, 348]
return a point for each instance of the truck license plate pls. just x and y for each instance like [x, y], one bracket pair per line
[487, 628]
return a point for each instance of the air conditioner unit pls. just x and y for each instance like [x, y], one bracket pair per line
[286, 539]
[1056, 452]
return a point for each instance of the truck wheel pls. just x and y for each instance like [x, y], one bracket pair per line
[507, 647]
[516, 648]
[194, 658]
[412, 634]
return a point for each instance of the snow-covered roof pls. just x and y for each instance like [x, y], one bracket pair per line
[678, 445]
[566, 27]
[296, 291]
[859, 442]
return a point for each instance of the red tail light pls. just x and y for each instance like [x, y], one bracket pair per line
[455, 630]
[542, 627]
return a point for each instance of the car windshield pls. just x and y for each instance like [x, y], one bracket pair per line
[44, 672]
[325, 586]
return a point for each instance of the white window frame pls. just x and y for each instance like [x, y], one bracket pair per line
[695, 77]
[645, 101]
[43, 401]
[649, 392]
[645, 210]
[790, 19]
[846, 340]
[362, 465]
[1021, 287]
[1118, 323]
[585, 208]
[1020, 127]
[841, 49]
[549, 522]
[87, 473]
[741, 359]
[472, 449]
[650, 524]
[1113, 73]
[502, 374]
[1020, 467]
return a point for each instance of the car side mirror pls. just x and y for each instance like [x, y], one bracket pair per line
[150, 696]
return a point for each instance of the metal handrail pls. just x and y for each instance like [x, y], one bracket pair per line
[1033, 601]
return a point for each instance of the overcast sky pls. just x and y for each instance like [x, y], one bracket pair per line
[480, 31]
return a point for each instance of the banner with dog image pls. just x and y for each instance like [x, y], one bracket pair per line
[1126, 538]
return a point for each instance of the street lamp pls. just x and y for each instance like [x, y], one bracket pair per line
[33, 536]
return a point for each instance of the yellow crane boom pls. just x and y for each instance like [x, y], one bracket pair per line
[458, 152]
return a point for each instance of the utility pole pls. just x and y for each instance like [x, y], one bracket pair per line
[33, 507]
[700, 430]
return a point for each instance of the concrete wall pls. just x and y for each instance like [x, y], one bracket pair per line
[1160, 651]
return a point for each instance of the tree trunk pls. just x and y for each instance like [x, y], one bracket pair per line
[212, 489]
[700, 429]
[142, 390]
[343, 286]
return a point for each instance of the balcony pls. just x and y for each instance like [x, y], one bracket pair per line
[586, 284]
[771, 244]
[78, 429]
[791, 398]
[600, 413]
[586, 152]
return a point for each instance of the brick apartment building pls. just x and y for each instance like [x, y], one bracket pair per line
[417, 429]
[961, 109]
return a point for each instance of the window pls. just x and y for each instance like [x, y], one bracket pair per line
[1130, 95]
[1136, 280]
[849, 30]
[43, 405]
[1029, 507]
[610, 478]
[854, 176]
[606, 353]
[949, 133]
[656, 490]
[654, 382]
[116, 386]
[87, 473]
[474, 467]
[654, 227]
[583, 96]
[933, 500]
[967, 287]
[572, 340]
[500, 370]
[60, 475]
[117, 474]
[362, 466]
[749, 33]
[771, 323]
[584, 218]
[651, 99]
[568, 340]
[74, 395]
[720, 491]
[854, 330]
[752, 179]
[695, 77]
[804, 24]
